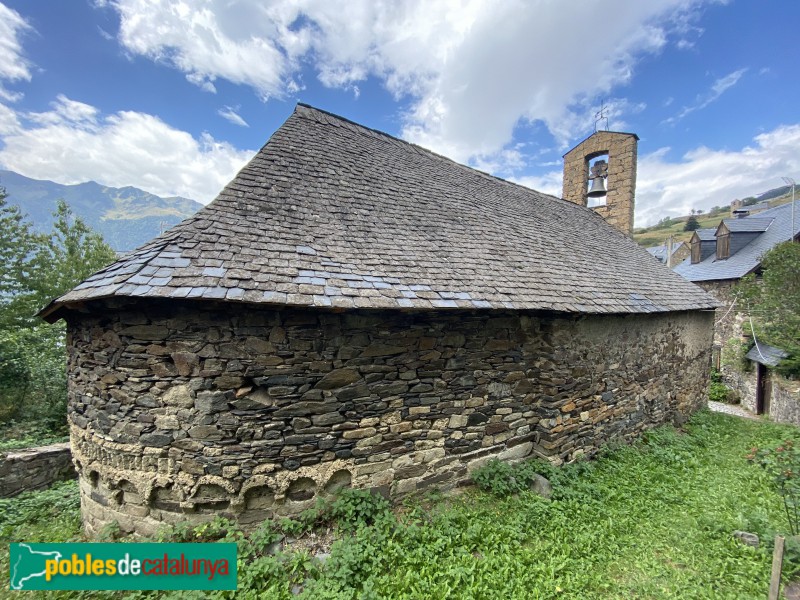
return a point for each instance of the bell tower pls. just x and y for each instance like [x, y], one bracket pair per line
[607, 160]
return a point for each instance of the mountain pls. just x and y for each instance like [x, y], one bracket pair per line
[776, 193]
[126, 217]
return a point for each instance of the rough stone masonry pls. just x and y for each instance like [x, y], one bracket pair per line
[621, 149]
[181, 411]
[31, 469]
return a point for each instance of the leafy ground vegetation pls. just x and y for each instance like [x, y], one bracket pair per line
[650, 521]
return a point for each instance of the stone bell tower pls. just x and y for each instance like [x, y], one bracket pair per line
[613, 181]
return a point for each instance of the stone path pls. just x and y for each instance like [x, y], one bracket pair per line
[792, 591]
[731, 409]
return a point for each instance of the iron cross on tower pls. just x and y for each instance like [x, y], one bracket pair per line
[600, 115]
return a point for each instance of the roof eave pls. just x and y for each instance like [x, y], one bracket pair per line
[56, 309]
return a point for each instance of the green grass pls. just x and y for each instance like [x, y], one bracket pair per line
[655, 237]
[16, 436]
[650, 521]
[656, 234]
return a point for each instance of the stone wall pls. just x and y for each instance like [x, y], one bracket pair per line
[621, 149]
[34, 468]
[744, 384]
[784, 399]
[187, 410]
[784, 405]
[731, 323]
[680, 254]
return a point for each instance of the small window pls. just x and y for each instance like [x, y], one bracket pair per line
[723, 246]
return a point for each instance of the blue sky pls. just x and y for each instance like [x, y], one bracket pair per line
[175, 96]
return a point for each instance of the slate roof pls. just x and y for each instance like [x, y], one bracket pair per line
[706, 235]
[748, 258]
[333, 214]
[660, 252]
[767, 355]
[748, 224]
[751, 208]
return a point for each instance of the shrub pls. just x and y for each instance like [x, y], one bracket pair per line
[719, 392]
[354, 508]
[733, 355]
[502, 479]
[782, 464]
[498, 478]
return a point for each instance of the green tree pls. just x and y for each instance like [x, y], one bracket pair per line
[42, 267]
[17, 245]
[774, 302]
[691, 223]
[36, 268]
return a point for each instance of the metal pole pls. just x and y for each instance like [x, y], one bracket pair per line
[788, 180]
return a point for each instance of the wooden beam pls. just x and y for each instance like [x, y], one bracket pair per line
[777, 566]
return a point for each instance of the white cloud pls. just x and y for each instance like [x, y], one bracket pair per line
[704, 178]
[549, 183]
[501, 163]
[508, 62]
[13, 64]
[73, 143]
[9, 123]
[231, 115]
[719, 87]
[66, 111]
[248, 43]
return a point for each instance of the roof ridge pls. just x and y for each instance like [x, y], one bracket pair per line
[751, 218]
[436, 155]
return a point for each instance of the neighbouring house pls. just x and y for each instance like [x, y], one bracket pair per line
[719, 258]
[770, 395]
[355, 310]
[680, 251]
[739, 209]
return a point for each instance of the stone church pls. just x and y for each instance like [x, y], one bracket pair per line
[355, 310]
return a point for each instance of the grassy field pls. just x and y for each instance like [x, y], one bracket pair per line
[650, 521]
[655, 235]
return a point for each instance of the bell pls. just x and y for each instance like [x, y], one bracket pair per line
[598, 188]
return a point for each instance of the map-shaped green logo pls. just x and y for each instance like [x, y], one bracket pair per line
[28, 565]
[122, 566]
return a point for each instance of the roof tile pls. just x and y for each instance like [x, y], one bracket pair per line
[333, 214]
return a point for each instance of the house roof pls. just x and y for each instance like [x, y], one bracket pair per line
[707, 235]
[333, 214]
[767, 355]
[748, 258]
[753, 207]
[660, 252]
[747, 224]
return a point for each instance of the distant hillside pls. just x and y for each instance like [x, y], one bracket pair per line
[126, 217]
[786, 190]
[656, 234]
